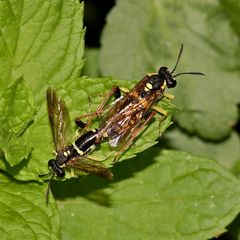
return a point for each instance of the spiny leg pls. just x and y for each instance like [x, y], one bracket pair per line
[163, 114]
[117, 95]
[161, 111]
[97, 158]
[114, 91]
[134, 134]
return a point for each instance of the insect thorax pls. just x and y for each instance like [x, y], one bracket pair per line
[63, 156]
[155, 82]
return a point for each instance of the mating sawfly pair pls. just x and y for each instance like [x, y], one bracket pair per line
[121, 123]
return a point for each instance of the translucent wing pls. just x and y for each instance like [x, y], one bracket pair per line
[120, 126]
[59, 119]
[91, 167]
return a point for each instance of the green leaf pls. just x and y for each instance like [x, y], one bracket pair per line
[17, 112]
[91, 66]
[172, 196]
[153, 39]
[24, 214]
[125, 52]
[82, 96]
[42, 41]
[226, 152]
[232, 9]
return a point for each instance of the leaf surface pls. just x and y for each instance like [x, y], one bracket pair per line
[41, 42]
[17, 113]
[171, 196]
[226, 152]
[24, 214]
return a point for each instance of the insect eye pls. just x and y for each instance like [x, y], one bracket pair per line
[171, 83]
[51, 163]
[55, 168]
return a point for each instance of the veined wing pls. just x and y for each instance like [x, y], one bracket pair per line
[91, 167]
[132, 99]
[59, 119]
[115, 109]
[124, 124]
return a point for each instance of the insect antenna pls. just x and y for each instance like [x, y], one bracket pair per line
[191, 73]
[48, 189]
[179, 56]
[49, 184]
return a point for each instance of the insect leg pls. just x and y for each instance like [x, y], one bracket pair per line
[97, 158]
[162, 112]
[100, 109]
[161, 118]
[80, 123]
[159, 110]
[169, 96]
[124, 90]
[117, 93]
[134, 134]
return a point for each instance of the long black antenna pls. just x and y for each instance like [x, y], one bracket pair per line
[48, 190]
[192, 73]
[179, 56]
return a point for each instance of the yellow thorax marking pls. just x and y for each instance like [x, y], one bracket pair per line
[66, 153]
[148, 87]
[151, 74]
[164, 85]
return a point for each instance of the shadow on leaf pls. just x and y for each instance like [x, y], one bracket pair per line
[96, 189]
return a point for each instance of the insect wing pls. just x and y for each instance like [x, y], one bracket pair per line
[129, 101]
[125, 129]
[59, 119]
[91, 167]
[108, 116]
[123, 123]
